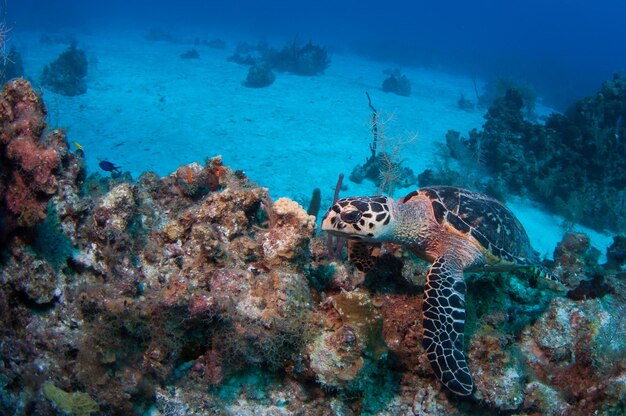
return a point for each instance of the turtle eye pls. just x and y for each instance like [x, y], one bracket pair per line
[351, 216]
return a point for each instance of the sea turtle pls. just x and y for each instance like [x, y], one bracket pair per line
[456, 230]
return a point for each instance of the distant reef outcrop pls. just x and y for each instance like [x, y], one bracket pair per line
[574, 163]
[307, 60]
[66, 74]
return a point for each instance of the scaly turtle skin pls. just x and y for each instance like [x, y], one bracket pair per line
[455, 230]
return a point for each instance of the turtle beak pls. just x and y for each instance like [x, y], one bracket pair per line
[328, 220]
[332, 221]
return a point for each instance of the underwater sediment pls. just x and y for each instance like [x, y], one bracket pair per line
[197, 294]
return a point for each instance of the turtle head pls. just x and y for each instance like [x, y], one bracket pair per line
[360, 218]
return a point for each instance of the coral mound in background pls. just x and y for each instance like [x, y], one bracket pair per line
[196, 294]
[66, 74]
[574, 163]
[307, 60]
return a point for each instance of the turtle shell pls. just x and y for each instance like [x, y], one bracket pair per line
[483, 220]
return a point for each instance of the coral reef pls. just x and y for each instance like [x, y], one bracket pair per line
[616, 253]
[197, 294]
[290, 228]
[396, 83]
[497, 89]
[66, 74]
[384, 172]
[309, 59]
[190, 54]
[31, 159]
[77, 403]
[464, 104]
[259, 76]
[564, 355]
[574, 164]
[575, 258]
[345, 354]
[153, 283]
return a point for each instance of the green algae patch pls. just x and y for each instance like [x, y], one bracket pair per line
[75, 404]
[357, 311]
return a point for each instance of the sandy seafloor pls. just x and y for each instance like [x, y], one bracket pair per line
[148, 109]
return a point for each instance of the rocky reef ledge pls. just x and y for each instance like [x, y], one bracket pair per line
[197, 294]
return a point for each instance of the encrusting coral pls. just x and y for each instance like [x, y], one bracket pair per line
[345, 355]
[29, 159]
[290, 230]
[565, 354]
[196, 294]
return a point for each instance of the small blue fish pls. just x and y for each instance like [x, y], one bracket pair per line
[109, 167]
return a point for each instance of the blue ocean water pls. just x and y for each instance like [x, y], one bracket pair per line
[564, 48]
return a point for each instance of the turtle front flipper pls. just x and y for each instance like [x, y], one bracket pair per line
[363, 255]
[444, 325]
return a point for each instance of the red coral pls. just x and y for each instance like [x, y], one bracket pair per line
[35, 160]
[23, 204]
[29, 161]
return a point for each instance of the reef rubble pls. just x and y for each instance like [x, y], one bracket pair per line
[196, 294]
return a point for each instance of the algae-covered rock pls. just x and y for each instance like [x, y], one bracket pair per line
[497, 374]
[357, 311]
[345, 357]
[113, 213]
[336, 357]
[575, 258]
[566, 350]
[290, 230]
[31, 276]
[75, 404]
